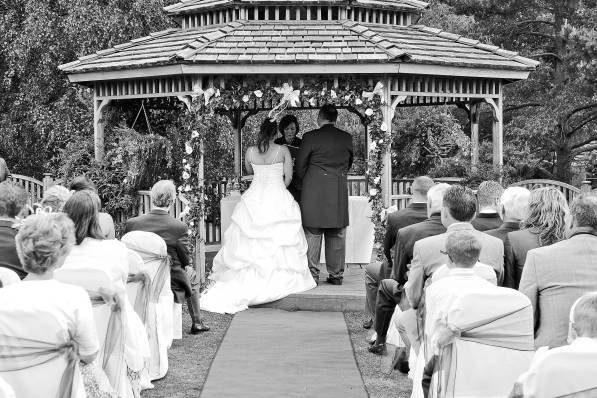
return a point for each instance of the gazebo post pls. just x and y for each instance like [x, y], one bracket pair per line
[497, 133]
[388, 114]
[236, 129]
[474, 113]
[98, 126]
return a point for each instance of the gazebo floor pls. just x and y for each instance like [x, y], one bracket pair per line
[350, 296]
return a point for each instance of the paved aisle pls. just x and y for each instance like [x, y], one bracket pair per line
[280, 354]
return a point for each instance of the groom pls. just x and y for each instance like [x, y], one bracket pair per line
[322, 163]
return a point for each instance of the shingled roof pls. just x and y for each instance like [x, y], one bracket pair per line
[301, 42]
[190, 6]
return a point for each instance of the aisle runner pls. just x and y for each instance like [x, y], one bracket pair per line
[279, 354]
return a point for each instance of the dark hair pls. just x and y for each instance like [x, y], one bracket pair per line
[329, 113]
[287, 121]
[268, 130]
[12, 199]
[83, 209]
[584, 210]
[460, 202]
[81, 183]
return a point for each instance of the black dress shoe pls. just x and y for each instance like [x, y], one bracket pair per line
[368, 323]
[377, 349]
[334, 281]
[199, 328]
[400, 361]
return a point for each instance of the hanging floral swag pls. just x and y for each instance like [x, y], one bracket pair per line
[206, 104]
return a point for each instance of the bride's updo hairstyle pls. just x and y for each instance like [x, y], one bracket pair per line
[268, 130]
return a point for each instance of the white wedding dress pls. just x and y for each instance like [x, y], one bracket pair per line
[264, 257]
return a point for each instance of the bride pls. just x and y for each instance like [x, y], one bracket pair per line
[264, 257]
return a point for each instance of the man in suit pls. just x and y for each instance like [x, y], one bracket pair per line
[390, 292]
[323, 161]
[555, 276]
[13, 199]
[514, 202]
[414, 213]
[175, 234]
[488, 197]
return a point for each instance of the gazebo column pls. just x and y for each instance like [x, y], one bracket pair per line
[497, 133]
[388, 115]
[474, 113]
[98, 127]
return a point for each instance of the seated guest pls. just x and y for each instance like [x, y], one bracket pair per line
[568, 370]
[175, 233]
[43, 243]
[555, 276]
[54, 198]
[488, 197]
[414, 213]
[93, 251]
[390, 291]
[543, 224]
[13, 199]
[106, 223]
[289, 128]
[513, 206]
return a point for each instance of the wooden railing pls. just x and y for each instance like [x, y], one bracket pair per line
[569, 191]
[35, 188]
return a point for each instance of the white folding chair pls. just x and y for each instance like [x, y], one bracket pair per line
[36, 354]
[110, 321]
[492, 344]
[159, 309]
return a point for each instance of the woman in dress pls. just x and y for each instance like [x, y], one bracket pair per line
[289, 128]
[264, 257]
[106, 223]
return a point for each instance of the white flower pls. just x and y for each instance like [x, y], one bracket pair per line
[187, 188]
[369, 112]
[372, 146]
[383, 127]
[217, 93]
[185, 175]
[306, 92]
[347, 97]
[373, 192]
[258, 93]
[322, 92]
[377, 179]
[184, 161]
[245, 98]
[358, 101]
[190, 231]
[380, 141]
[187, 166]
[313, 102]
[188, 149]
[333, 94]
[194, 134]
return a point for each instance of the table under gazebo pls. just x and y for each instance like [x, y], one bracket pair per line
[238, 57]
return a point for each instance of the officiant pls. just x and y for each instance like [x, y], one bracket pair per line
[289, 129]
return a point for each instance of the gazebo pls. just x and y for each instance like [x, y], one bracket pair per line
[327, 44]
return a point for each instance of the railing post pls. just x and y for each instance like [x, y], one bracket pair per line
[48, 181]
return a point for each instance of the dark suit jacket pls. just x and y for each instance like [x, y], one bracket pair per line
[295, 185]
[323, 161]
[412, 214]
[486, 221]
[405, 242]
[516, 247]
[503, 230]
[175, 234]
[8, 249]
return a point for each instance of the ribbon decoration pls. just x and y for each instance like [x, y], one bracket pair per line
[377, 90]
[289, 96]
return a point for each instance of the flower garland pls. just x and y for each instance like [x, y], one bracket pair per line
[357, 95]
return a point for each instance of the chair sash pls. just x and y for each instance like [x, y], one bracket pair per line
[113, 347]
[150, 293]
[17, 353]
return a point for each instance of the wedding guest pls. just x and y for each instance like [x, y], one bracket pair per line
[4, 172]
[392, 294]
[488, 197]
[570, 369]
[555, 276]
[513, 206]
[43, 242]
[289, 128]
[175, 234]
[106, 223]
[54, 198]
[543, 224]
[13, 199]
[414, 213]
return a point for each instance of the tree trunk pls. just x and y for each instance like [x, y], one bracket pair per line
[563, 163]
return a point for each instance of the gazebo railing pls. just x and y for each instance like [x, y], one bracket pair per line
[569, 191]
[34, 187]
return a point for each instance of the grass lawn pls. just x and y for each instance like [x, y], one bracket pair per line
[191, 357]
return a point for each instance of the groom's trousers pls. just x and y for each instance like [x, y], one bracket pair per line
[335, 250]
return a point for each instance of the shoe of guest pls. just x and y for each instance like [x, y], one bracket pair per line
[400, 361]
[377, 349]
[368, 323]
[199, 328]
[334, 281]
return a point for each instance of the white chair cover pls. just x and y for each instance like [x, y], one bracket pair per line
[6, 391]
[37, 357]
[110, 321]
[8, 277]
[158, 307]
[493, 344]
